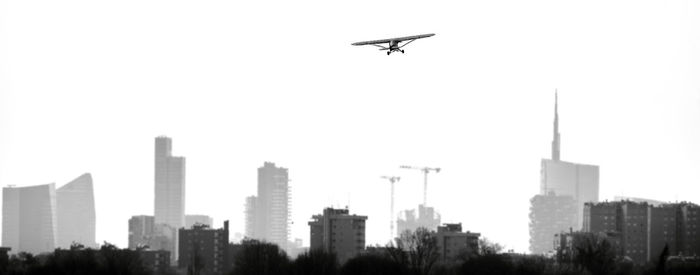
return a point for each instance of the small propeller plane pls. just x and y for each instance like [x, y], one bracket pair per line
[393, 43]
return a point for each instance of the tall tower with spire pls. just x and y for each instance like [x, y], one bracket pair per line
[564, 188]
[555, 139]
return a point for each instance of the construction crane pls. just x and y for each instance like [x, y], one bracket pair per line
[425, 171]
[392, 180]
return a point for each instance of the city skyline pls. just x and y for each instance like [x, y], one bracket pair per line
[475, 101]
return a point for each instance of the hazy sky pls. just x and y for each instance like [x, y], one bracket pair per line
[86, 86]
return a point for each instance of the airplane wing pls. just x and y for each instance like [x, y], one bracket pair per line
[398, 39]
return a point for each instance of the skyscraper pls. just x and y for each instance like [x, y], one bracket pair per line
[272, 205]
[169, 185]
[169, 192]
[561, 178]
[29, 220]
[76, 212]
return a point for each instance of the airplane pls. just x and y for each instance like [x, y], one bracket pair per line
[393, 43]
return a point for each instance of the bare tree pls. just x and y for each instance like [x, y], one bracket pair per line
[417, 250]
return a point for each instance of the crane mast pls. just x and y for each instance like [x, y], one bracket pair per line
[425, 171]
[392, 180]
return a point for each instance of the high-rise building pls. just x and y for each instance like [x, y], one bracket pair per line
[191, 220]
[452, 243]
[561, 178]
[204, 250]
[29, 219]
[272, 210]
[76, 213]
[169, 185]
[427, 218]
[169, 190]
[338, 232]
[549, 214]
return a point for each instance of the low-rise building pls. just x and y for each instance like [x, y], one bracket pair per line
[452, 243]
[203, 250]
[645, 229]
[338, 232]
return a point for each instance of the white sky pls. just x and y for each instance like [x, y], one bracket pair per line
[86, 86]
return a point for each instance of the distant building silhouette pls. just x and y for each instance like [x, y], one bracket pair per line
[141, 229]
[550, 214]
[250, 216]
[76, 213]
[191, 220]
[561, 178]
[145, 233]
[269, 212]
[427, 218]
[29, 219]
[452, 243]
[169, 188]
[204, 250]
[338, 232]
[645, 229]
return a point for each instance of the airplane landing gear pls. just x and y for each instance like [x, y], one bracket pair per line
[402, 51]
[388, 53]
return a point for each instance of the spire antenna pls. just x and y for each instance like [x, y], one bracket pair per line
[556, 138]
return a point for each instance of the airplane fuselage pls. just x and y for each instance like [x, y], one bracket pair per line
[394, 47]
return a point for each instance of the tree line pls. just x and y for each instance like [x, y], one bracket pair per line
[412, 253]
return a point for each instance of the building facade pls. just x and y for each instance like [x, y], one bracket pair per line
[549, 215]
[204, 250]
[579, 181]
[452, 243]
[29, 218]
[338, 232]
[75, 203]
[645, 229]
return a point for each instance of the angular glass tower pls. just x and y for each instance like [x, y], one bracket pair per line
[76, 212]
[29, 218]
